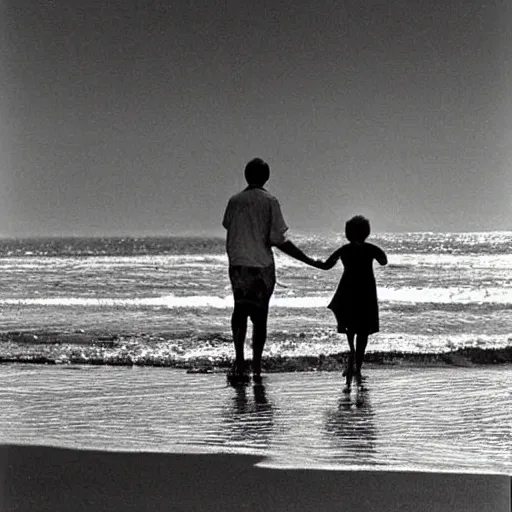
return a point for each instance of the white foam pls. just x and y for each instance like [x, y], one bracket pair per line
[449, 295]
[494, 261]
[169, 301]
[165, 260]
[489, 261]
[406, 295]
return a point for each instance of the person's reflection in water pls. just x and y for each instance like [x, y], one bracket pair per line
[249, 419]
[351, 431]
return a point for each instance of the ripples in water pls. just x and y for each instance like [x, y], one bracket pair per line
[423, 419]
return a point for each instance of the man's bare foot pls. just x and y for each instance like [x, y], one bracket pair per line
[237, 376]
[235, 379]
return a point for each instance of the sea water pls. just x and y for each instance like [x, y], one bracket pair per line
[170, 298]
[167, 301]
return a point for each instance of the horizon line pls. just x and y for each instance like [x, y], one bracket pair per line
[185, 234]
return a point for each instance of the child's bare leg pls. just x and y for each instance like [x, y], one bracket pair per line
[361, 343]
[351, 358]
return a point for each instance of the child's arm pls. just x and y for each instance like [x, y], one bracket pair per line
[330, 261]
[380, 255]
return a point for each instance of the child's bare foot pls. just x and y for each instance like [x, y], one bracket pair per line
[348, 370]
[359, 378]
[344, 374]
[348, 374]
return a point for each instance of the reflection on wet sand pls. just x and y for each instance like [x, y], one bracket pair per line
[420, 418]
[350, 429]
[248, 419]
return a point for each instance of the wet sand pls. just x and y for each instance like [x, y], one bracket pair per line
[117, 438]
[423, 419]
[52, 479]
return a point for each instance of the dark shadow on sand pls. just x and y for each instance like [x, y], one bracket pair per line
[42, 479]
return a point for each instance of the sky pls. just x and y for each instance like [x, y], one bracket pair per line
[137, 118]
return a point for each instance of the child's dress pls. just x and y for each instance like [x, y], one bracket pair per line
[355, 301]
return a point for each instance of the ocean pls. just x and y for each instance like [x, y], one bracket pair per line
[167, 300]
[137, 334]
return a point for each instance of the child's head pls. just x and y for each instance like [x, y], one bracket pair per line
[357, 229]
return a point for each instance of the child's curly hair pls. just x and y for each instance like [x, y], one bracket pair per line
[357, 229]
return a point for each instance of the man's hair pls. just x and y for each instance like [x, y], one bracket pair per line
[257, 172]
[357, 229]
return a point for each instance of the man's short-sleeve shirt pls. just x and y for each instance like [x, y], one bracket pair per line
[254, 224]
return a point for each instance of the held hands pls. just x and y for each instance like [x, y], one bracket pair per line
[318, 264]
[325, 265]
[292, 250]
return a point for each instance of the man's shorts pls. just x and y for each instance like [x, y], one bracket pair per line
[253, 285]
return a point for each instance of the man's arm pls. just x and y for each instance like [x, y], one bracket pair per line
[292, 250]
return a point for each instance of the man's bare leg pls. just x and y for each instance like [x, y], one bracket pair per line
[259, 337]
[239, 329]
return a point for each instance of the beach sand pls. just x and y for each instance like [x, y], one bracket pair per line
[53, 479]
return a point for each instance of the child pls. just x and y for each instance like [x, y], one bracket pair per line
[355, 302]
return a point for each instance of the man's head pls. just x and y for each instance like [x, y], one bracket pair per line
[357, 229]
[257, 172]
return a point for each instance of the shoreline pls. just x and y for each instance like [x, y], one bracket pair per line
[100, 348]
[267, 460]
[45, 478]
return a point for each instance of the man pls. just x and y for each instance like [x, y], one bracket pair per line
[254, 224]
